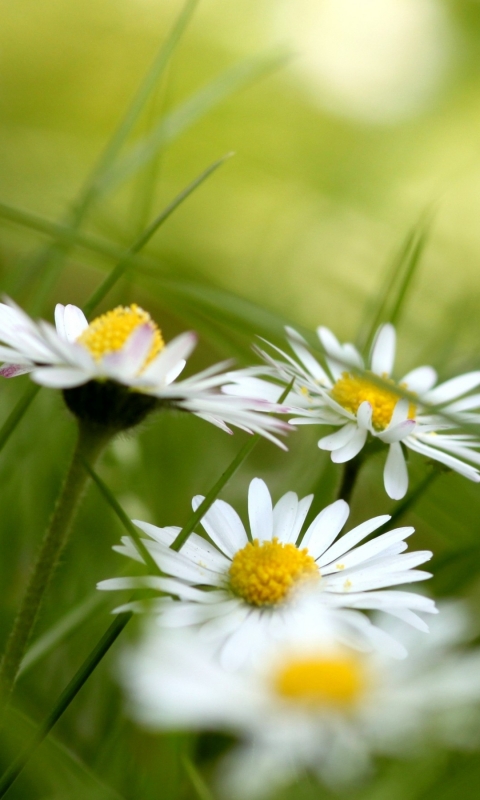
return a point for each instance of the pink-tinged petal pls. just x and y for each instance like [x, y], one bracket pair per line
[395, 475]
[337, 440]
[398, 432]
[13, 370]
[74, 322]
[351, 449]
[420, 380]
[126, 363]
[383, 350]
[453, 388]
[260, 510]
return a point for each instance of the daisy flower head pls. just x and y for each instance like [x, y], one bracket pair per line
[116, 369]
[242, 586]
[309, 704]
[363, 401]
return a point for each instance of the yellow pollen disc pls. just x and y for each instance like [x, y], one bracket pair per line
[321, 681]
[350, 391]
[264, 574]
[109, 332]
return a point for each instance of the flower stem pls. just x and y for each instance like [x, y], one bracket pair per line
[349, 477]
[90, 443]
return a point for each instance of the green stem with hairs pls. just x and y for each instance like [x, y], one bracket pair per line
[89, 445]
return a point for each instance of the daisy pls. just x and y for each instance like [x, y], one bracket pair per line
[242, 587]
[308, 704]
[344, 396]
[117, 368]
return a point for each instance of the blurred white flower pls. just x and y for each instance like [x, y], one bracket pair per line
[374, 60]
[306, 703]
[117, 368]
[252, 583]
[358, 406]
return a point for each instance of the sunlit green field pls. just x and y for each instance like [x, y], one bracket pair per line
[302, 225]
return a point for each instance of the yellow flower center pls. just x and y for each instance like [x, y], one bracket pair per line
[109, 332]
[350, 391]
[264, 574]
[320, 681]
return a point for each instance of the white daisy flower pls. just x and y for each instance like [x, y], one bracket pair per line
[242, 587]
[359, 407]
[307, 703]
[119, 366]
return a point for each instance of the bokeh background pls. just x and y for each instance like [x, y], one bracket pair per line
[359, 117]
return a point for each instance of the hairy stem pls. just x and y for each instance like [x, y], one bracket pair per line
[89, 445]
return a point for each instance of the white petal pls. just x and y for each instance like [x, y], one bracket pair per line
[223, 525]
[325, 528]
[124, 364]
[352, 538]
[340, 438]
[372, 549]
[453, 388]
[260, 510]
[420, 380]
[351, 449]
[438, 455]
[14, 370]
[364, 415]
[398, 432]
[74, 323]
[302, 511]
[284, 515]
[383, 350]
[395, 475]
[60, 377]
[177, 350]
[297, 343]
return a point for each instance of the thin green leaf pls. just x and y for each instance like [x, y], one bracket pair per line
[90, 191]
[124, 519]
[69, 693]
[146, 235]
[201, 789]
[391, 297]
[61, 630]
[183, 117]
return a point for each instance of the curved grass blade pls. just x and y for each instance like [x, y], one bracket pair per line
[124, 519]
[184, 116]
[90, 191]
[391, 298]
[146, 235]
[201, 789]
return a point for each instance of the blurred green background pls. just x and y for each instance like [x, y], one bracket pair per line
[372, 117]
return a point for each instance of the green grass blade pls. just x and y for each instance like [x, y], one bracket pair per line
[145, 237]
[54, 255]
[16, 415]
[391, 297]
[183, 117]
[136, 107]
[124, 519]
[69, 693]
[60, 631]
[201, 789]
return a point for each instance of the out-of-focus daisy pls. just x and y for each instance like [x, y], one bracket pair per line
[118, 368]
[343, 395]
[307, 703]
[244, 587]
